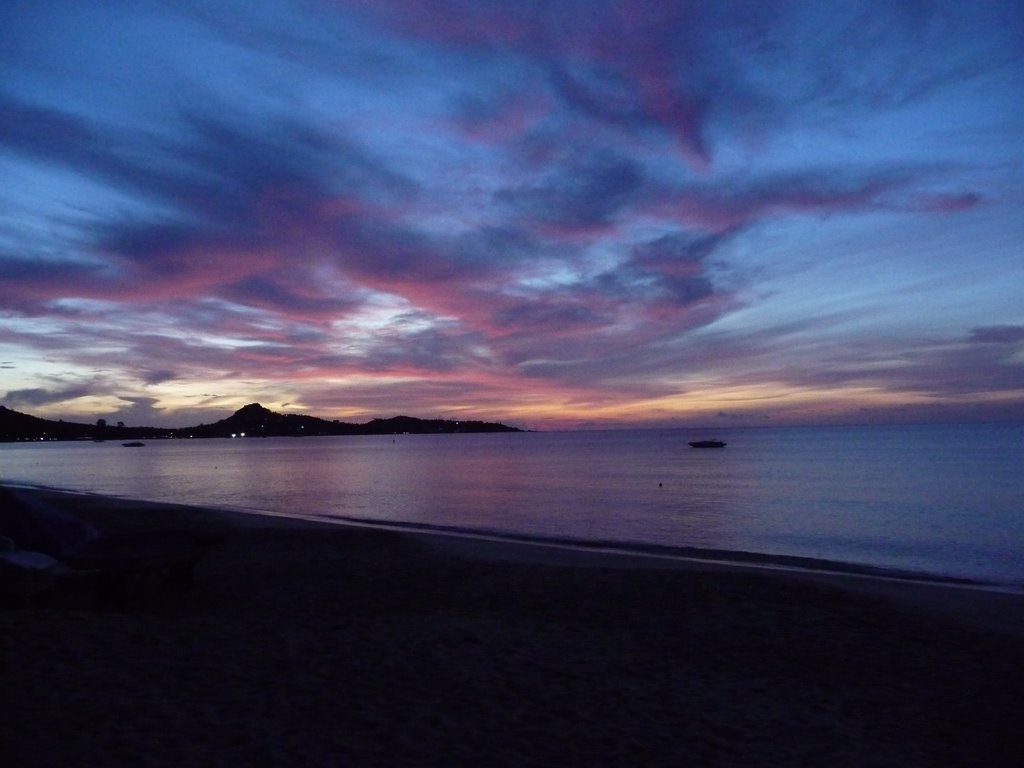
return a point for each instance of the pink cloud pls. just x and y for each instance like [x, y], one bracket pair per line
[645, 49]
[952, 203]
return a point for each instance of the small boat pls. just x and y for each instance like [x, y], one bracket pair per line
[133, 445]
[707, 444]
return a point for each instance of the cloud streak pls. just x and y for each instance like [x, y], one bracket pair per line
[554, 204]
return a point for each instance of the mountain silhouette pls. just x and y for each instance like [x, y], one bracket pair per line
[252, 420]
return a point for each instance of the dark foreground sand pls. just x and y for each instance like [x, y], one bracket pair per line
[314, 645]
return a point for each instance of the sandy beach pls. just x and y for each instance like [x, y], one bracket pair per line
[313, 644]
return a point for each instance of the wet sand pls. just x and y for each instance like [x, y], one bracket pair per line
[342, 645]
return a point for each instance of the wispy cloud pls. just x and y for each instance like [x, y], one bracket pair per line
[491, 202]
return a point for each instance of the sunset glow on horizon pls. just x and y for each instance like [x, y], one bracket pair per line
[553, 214]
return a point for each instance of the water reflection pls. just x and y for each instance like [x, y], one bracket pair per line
[945, 497]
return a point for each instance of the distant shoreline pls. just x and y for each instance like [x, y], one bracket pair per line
[252, 420]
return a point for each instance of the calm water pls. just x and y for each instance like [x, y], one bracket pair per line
[940, 499]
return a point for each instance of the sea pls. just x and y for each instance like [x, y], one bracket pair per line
[933, 500]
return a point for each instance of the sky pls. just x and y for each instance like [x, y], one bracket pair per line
[585, 213]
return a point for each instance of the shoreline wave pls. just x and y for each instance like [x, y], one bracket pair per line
[667, 553]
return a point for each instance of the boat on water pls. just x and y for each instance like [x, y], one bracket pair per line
[133, 445]
[707, 444]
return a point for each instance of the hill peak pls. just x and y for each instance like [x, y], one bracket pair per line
[253, 408]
